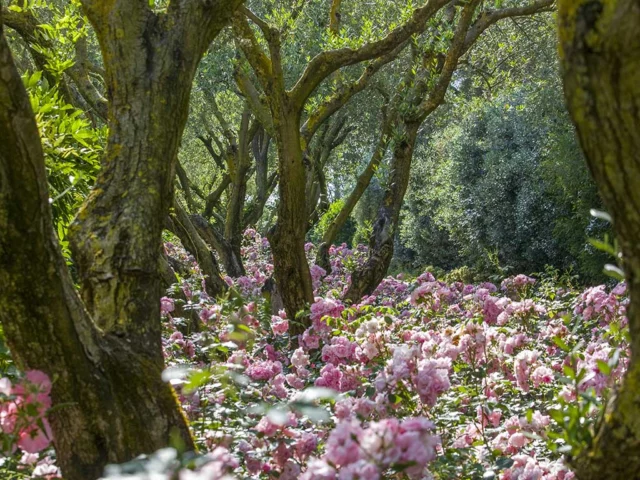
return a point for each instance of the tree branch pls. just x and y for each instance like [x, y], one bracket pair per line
[79, 73]
[214, 196]
[489, 17]
[252, 96]
[334, 17]
[456, 49]
[246, 40]
[344, 94]
[325, 63]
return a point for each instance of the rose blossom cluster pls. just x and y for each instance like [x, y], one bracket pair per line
[23, 409]
[354, 451]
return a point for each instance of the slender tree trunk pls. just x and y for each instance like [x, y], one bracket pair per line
[291, 269]
[322, 257]
[239, 170]
[234, 222]
[180, 224]
[264, 183]
[600, 51]
[260, 147]
[367, 277]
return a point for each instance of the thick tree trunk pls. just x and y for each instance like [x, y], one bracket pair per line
[112, 403]
[322, 257]
[600, 51]
[291, 269]
[367, 277]
[180, 224]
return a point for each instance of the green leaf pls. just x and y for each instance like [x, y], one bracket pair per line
[614, 271]
[197, 379]
[603, 367]
[561, 343]
[603, 246]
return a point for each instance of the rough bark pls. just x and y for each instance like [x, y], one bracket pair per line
[106, 360]
[287, 238]
[112, 403]
[150, 60]
[600, 52]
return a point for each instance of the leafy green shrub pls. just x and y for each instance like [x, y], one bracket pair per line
[72, 148]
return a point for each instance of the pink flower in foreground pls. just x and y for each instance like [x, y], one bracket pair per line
[432, 379]
[33, 439]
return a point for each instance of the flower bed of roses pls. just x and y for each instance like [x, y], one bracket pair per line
[423, 379]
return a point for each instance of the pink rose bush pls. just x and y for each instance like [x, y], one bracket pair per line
[423, 379]
[24, 429]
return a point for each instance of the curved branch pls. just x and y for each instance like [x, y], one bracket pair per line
[325, 63]
[247, 42]
[456, 50]
[344, 94]
[489, 17]
[214, 196]
[252, 96]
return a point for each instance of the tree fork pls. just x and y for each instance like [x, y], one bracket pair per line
[113, 404]
[106, 360]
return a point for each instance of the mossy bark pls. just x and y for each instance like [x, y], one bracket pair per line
[112, 403]
[105, 355]
[291, 269]
[600, 53]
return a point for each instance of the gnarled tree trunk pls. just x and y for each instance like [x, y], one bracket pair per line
[113, 404]
[106, 359]
[291, 269]
[600, 51]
